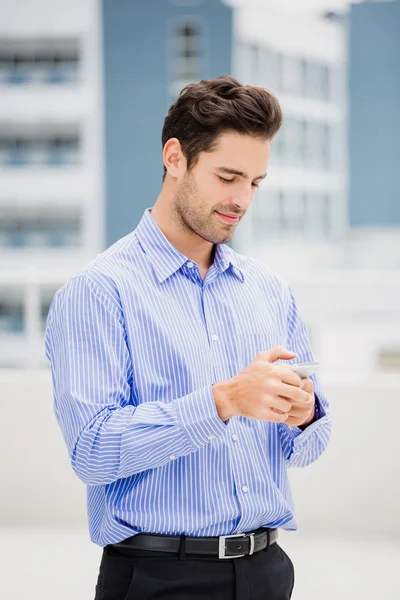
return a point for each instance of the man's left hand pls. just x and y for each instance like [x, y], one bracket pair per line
[302, 414]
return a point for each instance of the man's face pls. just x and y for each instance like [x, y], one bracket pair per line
[222, 181]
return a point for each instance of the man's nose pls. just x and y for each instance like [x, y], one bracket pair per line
[242, 200]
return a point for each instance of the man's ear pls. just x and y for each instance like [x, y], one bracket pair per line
[173, 157]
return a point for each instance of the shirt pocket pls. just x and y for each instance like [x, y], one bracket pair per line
[252, 344]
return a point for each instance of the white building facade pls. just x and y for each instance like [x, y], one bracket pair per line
[51, 162]
[52, 190]
[347, 282]
[302, 60]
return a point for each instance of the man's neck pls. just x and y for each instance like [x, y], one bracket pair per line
[198, 250]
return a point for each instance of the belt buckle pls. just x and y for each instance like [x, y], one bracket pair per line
[222, 547]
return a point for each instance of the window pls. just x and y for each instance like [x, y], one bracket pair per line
[294, 142]
[40, 227]
[39, 61]
[186, 54]
[276, 149]
[326, 142]
[11, 311]
[327, 225]
[47, 146]
[326, 92]
[270, 68]
[314, 155]
[316, 80]
[245, 65]
[266, 216]
[46, 298]
[302, 143]
[255, 64]
[291, 75]
[293, 212]
[318, 208]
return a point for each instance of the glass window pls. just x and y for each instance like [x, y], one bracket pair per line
[327, 224]
[281, 210]
[39, 61]
[305, 149]
[11, 313]
[314, 145]
[186, 55]
[304, 76]
[326, 82]
[255, 65]
[266, 216]
[270, 68]
[244, 62]
[40, 229]
[291, 75]
[294, 213]
[326, 142]
[318, 209]
[302, 143]
[47, 295]
[277, 149]
[293, 142]
[49, 151]
[316, 80]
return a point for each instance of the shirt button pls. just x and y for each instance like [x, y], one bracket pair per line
[234, 437]
[172, 457]
[215, 337]
[245, 489]
[211, 437]
[190, 265]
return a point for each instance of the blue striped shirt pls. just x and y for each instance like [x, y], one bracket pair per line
[136, 340]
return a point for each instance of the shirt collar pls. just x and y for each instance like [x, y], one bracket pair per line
[166, 259]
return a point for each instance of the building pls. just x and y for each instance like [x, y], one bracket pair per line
[302, 60]
[374, 117]
[51, 162]
[83, 98]
[151, 50]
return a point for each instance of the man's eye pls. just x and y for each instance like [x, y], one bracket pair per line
[255, 185]
[225, 180]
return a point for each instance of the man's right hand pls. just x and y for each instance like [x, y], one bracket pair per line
[261, 389]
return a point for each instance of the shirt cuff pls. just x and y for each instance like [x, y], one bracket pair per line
[319, 413]
[198, 417]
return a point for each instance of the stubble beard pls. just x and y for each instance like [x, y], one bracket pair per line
[192, 217]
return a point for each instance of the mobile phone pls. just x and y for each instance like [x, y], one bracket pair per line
[304, 369]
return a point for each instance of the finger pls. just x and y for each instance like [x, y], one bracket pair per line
[271, 415]
[308, 385]
[276, 353]
[294, 394]
[280, 404]
[287, 376]
[297, 414]
[294, 420]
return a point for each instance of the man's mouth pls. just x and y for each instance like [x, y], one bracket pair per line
[228, 218]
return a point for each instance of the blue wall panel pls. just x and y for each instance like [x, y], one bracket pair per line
[374, 114]
[137, 68]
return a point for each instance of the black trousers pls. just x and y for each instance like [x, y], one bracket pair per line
[127, 574]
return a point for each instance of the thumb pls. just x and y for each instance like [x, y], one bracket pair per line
[276, 353]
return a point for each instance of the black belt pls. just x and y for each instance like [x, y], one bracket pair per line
[223, 546]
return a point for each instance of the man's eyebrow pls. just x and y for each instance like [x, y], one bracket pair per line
[230, 171]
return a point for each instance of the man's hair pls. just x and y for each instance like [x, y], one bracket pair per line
[205, 110]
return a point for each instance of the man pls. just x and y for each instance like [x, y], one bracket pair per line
[167, 386]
